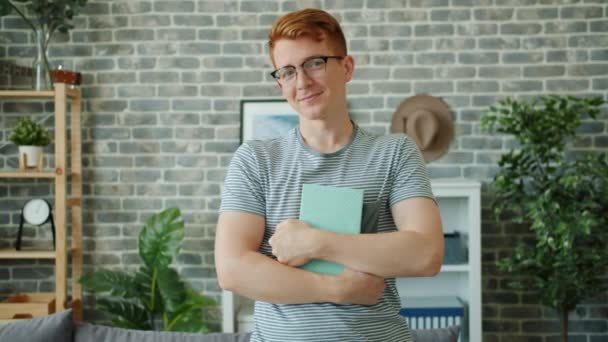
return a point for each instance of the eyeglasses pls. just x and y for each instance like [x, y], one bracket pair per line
[312, 66]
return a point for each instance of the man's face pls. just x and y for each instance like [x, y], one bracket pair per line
[319, 94]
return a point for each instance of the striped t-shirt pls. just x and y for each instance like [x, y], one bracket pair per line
[266, 178]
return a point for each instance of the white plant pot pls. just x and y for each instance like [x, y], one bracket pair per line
[32, 155]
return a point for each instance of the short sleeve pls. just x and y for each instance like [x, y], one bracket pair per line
[410, 177]
[243, 187]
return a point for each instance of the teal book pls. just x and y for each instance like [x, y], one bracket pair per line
[333, 209]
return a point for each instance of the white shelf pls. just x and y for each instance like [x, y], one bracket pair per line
[460, 208]
[455, 268]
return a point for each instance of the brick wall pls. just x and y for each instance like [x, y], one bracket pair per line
[163, 81]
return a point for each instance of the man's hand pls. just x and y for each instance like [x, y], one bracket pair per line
[293, 242]
[356, 287]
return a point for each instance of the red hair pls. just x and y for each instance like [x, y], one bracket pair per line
[313, 23]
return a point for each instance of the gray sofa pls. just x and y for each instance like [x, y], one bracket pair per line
[60, 327]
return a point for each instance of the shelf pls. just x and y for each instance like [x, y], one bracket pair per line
[28, 305]
[33, 94]
[26, 253]
[27, 174]
[48, 173]
[27, 93]
[455, 268]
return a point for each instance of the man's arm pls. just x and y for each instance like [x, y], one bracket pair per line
[242, 269]
[415, 250]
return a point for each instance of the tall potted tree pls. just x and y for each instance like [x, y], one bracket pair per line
[45, 18]
[564, 200]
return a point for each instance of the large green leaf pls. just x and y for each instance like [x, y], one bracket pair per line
[189, 321]
[182, 319]
[126, 314]
[198, 299]
[117, 283]
[171, 288]
[161, 237]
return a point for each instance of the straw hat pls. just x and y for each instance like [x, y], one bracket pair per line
[427, 120]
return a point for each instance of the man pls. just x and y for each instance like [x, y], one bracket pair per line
[260, 243]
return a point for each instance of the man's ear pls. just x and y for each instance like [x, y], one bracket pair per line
[349, 67]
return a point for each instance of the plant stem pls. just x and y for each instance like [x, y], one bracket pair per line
[152, 292]
[165, 325]
[563, 318]
[153, 289]
[172, 323]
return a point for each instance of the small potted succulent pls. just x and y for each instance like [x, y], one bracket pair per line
[31, 137]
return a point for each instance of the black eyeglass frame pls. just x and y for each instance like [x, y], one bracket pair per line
[324, 58]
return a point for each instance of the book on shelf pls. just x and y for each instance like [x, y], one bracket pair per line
[432, 312]
[334, 209]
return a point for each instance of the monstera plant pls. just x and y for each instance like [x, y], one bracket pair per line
[562, 198]
[155, 293]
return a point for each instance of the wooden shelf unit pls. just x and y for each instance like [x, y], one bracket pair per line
[27, 174]
[26, 254]
[61, 96]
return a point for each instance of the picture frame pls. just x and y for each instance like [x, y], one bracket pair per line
[266, 119]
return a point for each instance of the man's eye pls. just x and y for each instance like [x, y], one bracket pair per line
[287, 73]
[314, 63]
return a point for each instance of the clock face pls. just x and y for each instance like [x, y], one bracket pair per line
[36, 211]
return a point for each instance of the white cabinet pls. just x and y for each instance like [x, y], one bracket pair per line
[459, 204]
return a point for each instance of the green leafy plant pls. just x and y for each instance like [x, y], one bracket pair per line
[563, 199]
[47, 17]
[155, 292]
[29, 133]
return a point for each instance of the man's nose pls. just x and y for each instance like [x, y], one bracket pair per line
[302, 79]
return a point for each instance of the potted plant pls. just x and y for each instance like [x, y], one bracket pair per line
[48, 17]
[155, 293]
[30, 137]
[563, 198]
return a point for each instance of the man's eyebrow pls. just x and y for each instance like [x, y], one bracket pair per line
[286, 66]
[304, 61]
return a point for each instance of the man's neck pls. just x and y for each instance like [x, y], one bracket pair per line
[326, 136]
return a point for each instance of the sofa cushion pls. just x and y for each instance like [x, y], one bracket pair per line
[58, 327]
[85, 332]
[449, 334]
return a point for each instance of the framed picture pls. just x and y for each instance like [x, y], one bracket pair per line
[266, 119]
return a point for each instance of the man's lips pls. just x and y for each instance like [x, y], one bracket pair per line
[309, 97]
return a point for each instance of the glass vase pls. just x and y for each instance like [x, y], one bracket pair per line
[41, 69]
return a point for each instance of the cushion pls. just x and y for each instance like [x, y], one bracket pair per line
[86, 332]
[449, 334]
[57, 327]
